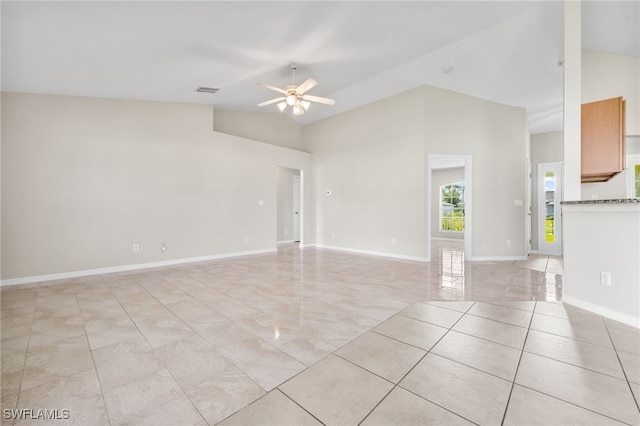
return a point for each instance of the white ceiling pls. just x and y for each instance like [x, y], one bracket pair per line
[503, 51]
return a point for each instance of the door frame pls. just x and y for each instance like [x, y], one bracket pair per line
[278, 210]
[465, 161]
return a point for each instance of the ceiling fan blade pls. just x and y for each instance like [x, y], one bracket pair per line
[308, 84]
[326, 101]
[277, 89]
[272, 101]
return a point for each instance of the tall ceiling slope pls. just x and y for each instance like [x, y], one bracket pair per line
[359, 52]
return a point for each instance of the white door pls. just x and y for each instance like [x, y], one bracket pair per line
[549, 211]
[296, 208]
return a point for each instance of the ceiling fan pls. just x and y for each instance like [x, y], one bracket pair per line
[294, 96]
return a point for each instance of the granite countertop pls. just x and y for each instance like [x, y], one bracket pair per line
[612, 201]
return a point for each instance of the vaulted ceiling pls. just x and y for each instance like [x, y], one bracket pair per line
[359, 52]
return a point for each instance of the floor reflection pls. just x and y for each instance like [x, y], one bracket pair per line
[538, 277]
[452, 267]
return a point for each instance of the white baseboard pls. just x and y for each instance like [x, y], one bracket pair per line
[496, 258]
[373, 253]
[601, 310]
[125, 268]
[285, 242]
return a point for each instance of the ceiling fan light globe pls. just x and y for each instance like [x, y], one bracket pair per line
[305, 105]
[282, 106]
[291, 99]
[298, 109]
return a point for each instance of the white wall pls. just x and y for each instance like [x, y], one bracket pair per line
[572, 67]
[495, 136]
[545, 148]
[606, 76]
[596, 238]
[439, 178]
[374, 159]
[269, 127]
[603, 238]
[83, 179]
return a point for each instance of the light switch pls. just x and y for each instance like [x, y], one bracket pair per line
[517, 203]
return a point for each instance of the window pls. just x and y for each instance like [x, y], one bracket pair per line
[452, 207]
[633, 176]
[550, 201]
[637, 181]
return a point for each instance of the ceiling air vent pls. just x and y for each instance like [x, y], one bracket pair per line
[207, 89]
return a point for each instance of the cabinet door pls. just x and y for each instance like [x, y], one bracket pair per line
[602, 139]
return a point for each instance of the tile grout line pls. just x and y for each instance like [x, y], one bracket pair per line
[184, 338]
[576, 366]
[193, 404]
[502, 322]
[568, 337]
[572, 403]
[552, 396]
[396, 385]
[26, 352]
[513, 383]
[277, 389]
[383, 378]
[447, 332]
[633, 395]
[93, 361]
[546, 264]
[194, 274]
[326, 356]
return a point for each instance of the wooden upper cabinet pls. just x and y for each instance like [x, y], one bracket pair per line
[603, 139]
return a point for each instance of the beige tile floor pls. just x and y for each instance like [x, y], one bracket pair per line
[317, 337]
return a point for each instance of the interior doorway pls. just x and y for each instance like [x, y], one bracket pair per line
[289, 211]
[549, 222]
[449, 209]
[296, 208]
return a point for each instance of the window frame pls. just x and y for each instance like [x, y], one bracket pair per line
[441, 207]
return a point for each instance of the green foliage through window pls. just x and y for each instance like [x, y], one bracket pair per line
[452, 207]
[549, 229]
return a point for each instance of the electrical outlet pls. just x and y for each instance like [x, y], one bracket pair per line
[508, 243]
[605, 278]
[333, 235]
[136, 248]
[163, 246]
[393, 241]
[246, 238]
